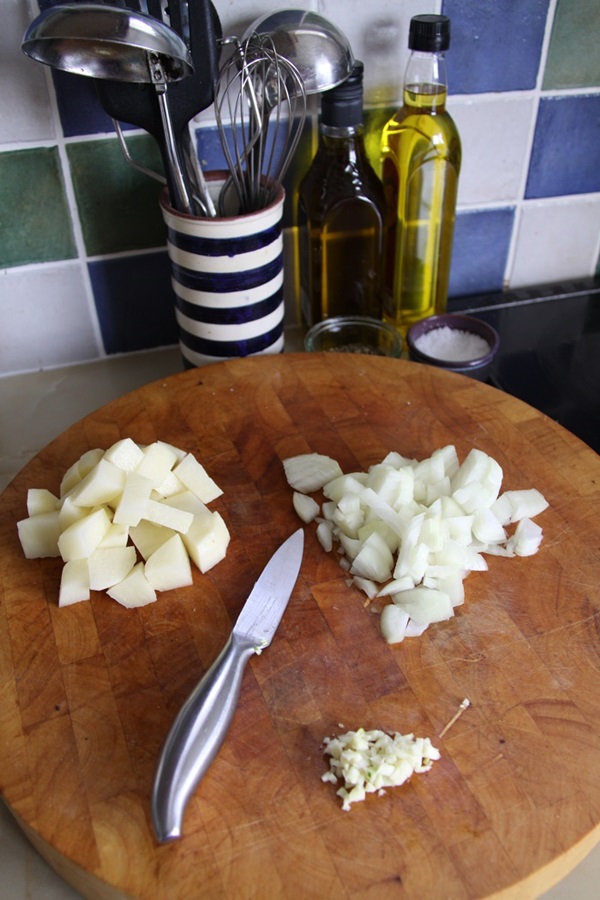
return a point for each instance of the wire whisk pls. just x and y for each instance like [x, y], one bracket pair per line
[260, 108]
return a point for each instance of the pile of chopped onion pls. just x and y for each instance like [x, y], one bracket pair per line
[411, 531]
[369, 761]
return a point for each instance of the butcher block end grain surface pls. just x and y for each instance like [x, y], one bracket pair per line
[89, 692]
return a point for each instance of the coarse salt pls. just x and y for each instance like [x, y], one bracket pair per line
[452, 344]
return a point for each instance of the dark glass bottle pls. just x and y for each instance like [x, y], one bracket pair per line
[341, 214]
[421, 156]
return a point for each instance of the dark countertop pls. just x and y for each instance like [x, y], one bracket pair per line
[549, 349]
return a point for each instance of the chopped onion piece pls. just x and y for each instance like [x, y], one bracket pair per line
[393, 623]
[527, 538]
[310, 471]
[307, 508]
[325, 535]
[425, 605]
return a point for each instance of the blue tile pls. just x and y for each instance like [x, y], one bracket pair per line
[78, 105]
[565, 158]
[134, 302]
[495, 45]
[210, 151]
[481, 243]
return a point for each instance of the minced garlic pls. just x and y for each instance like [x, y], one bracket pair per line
[369, 761]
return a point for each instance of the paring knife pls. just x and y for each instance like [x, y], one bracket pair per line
[204, 719]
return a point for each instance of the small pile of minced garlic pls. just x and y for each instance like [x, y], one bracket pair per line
[370, 761]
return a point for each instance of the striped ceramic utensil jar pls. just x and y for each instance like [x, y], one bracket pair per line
[227, 276]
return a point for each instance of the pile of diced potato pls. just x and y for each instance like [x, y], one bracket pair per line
[127, 521]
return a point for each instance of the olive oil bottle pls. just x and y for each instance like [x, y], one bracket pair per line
[341, 215]
[421, 156]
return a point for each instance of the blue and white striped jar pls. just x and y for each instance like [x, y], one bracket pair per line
[227, 276]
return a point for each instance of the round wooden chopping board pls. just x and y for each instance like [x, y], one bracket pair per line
[89, 692]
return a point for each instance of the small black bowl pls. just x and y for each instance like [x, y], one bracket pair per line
[479, 367]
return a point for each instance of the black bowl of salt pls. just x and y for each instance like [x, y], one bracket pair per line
[454, 342]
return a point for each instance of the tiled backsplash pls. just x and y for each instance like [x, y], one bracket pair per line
[83, 265]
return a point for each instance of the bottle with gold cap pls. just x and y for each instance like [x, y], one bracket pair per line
[421, 156]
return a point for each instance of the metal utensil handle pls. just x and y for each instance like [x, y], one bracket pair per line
[196, 736]
[177, 183]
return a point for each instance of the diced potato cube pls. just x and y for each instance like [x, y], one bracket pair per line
[125, 454]
[109, 565]
[39, 500]
[74, 582]
[70, 479]
[208, 538]
[116, 536]
[157, 462]
[69, 512]
[39, 535]
[133, 502]
[195, 477]
[168, 516]
[80, 469]
[179, 453]
[169, 566]
[170, 486]
[148, 537]
[88, 460]
[135, 589]
[102, 484]
[80, 539]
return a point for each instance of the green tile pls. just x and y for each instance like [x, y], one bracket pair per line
[35, 225]
[573, 56]
[118, 205]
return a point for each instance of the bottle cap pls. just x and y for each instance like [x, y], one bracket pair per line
[430, 34]
[342, 106]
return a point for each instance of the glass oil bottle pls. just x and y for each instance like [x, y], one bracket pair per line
[421, 157]
[341, 215]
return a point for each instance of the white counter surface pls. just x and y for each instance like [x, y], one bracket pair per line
[34, 409]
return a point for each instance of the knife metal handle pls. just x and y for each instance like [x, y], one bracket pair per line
[196, 736]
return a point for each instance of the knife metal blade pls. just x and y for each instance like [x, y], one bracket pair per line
[203, 721]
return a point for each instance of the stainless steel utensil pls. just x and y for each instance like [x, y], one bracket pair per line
[204, 719]
[199, 25]
[318, 49]
[253, 83]
[109, 42]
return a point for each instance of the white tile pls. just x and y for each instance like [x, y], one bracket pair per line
[25, 110]
[378, 34]
[44, 318]
[495, 134]
[557, 239]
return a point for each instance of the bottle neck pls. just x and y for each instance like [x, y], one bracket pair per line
[342, 132]
[426, 81]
